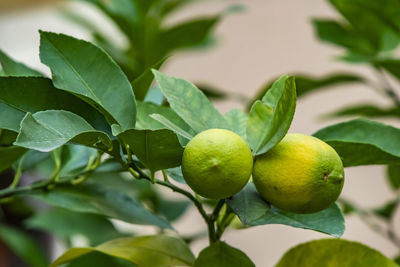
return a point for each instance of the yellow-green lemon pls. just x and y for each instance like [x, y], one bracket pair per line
[301, 174]
[217, 163]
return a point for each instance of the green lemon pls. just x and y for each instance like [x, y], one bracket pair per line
[217, 163]
[301, 174]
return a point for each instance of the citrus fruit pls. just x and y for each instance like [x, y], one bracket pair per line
[217, 163]
[301, 174]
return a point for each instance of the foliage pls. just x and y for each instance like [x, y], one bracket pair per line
[100, 143]
[150, 38]
[368, 33]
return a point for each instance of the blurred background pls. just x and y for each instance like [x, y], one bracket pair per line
[250, 46]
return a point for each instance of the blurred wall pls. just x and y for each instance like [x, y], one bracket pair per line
[268, 39]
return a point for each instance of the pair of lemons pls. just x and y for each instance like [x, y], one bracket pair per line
[301, 174]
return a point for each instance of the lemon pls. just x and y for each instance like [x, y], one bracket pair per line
[217, 163]
[301, 174]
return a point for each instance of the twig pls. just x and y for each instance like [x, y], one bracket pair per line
[388, 89]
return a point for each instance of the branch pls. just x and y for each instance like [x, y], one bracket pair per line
[387, 88]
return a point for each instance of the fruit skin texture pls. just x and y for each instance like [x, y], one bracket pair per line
[217, 163]
[301, 174]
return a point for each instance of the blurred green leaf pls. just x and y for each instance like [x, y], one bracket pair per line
[142, 83]
[144, 192]
[237, 119]
[98, 199]
[270, 117]
[390, 65]
[397, 259]
[386, 211]
[10, 154]
[33, 94]
[155, 96]
[190, 103]
[81, 68]
[47, 130]
[366, 110]
[145, 251]
[10, 117]
[253, 210]
[32, 158]
[343, 35]
[346, 206]
[99, 259]
[13, 68]
[74, 159]
[374, 23]
[7, 137]
[212, 92]
[363, 142]
[157, 150]
[186, 34]
[23, 245]
[172, 209]
[334, 252]
[176, 174]
[393, 175]
[220, 254]
[65, 224]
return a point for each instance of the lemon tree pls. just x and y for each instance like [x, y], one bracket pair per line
[100, 152]
[301, 174]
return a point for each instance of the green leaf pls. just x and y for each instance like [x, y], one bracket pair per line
[393, 175]
[98, 199]
[212, 93]
[85, 70]
[145, 251]
[155, 96]
[176, 174]
[366, 110]
[190, 103]
[220, 254]
[7, 137]
[373, 20]
[142, 83]
[346, 206]
[10, 117]
[391, 65]
[13, 68]
[253, 210]
[65, 224]
[157, 150]
[8, 155]
[270, 117]
[363, 142]
[155, 117]
[397, 259]
[237, 120]
[145, 121]
[343, 35]
[99, 260]
[74, 159]
[386, 211]
[187, 34]
[307, 84]
[23, 246]
[334, 252]
[172, 209]
[47, 130]
[21, 95]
